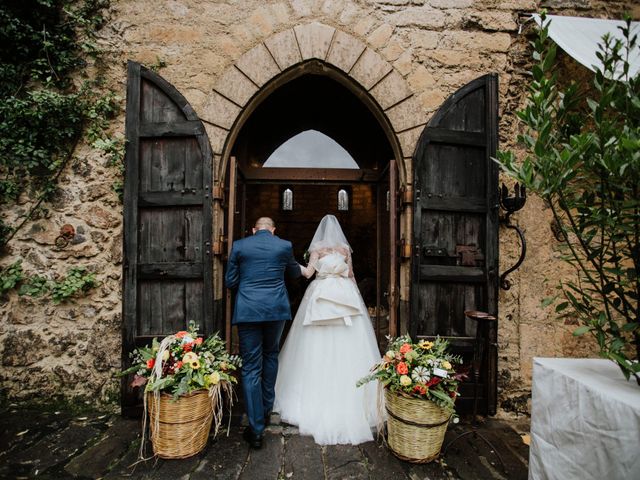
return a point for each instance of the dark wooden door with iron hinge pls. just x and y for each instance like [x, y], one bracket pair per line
[455, 244]
[167, 218]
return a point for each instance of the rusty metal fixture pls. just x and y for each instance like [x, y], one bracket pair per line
[406, 194]
[512, 204]
[67, 232]
[469, 255]
[483, 324]
[218, 192]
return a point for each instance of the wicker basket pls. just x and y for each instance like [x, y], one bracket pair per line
[415, 427]
[183, 426]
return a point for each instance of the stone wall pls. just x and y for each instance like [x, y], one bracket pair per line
[433, 46]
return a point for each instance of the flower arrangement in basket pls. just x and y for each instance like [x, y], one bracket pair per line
[184, 378]
[420, 387]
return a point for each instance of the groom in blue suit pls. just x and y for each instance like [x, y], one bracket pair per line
[256, 268]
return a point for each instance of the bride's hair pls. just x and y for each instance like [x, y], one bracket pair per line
[329, 235]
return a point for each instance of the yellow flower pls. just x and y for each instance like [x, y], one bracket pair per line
[165, 355]
[446, 365]
[405, 380]
[223, 365]
[189, 357]
[214, 378]
[195, 364]
[425, 345]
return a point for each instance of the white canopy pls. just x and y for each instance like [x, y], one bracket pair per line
[579, 37]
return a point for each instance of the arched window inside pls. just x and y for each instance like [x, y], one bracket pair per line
[310, 149]
[343, 200]
[287, 200]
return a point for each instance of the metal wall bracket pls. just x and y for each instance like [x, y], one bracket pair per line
[218, 192]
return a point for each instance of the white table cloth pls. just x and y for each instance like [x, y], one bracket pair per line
[585, 421]
[580, 36]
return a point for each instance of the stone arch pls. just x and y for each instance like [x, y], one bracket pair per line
[314, 47]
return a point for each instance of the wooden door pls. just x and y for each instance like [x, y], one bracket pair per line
[167, 217]
[385, 321]
[236, 226]
[455, 253]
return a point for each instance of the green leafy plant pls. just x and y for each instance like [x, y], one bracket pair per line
[10, 277]
[35, 286]
[583, 159]
[114, 148]
[44, 109]
[77, 280]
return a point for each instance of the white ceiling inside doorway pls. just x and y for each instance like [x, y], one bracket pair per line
[310, 149]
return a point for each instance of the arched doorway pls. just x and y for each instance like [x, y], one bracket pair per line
[310, 145]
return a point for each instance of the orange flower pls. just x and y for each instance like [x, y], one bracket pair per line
[402, 368]
[421, 389]
[198, 341]
[405, 348]
[181, 334]
[187, 347]
[179, 365]
[151, 362]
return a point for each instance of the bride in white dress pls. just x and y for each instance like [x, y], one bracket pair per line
[330, 346]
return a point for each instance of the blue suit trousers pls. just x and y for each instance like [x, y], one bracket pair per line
[259, 348]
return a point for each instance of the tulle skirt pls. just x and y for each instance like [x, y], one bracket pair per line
[319, 366]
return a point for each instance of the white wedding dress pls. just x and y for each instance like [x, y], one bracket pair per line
[330, 346]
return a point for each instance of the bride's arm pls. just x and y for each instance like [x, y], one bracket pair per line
[310, 269]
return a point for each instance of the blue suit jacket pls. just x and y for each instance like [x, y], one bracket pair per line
[257, 266]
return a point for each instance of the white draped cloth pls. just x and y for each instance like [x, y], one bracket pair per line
[580, 36]
[585, 421]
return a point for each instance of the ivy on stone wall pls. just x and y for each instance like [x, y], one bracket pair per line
[47, 104]
[77, 281]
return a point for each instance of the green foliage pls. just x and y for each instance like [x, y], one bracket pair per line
[159, 63]
[35, 286]
[583, 159]
[78, 280]
[10, 277]
[43, 112]
[114, 149]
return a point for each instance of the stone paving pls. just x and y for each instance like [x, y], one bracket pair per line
[59, 445]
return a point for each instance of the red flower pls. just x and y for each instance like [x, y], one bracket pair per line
[421, 389]
[181, 334]
[187, 347]
[198, 341]
[433, 381]
[151, 362]
[405, 348]
[402, 368]
[452, 395]
[179, 365]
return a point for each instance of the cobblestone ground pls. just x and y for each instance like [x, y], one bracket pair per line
[58, 445]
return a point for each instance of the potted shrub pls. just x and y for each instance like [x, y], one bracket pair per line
[420, 387]
[582, 157]
[184, 378]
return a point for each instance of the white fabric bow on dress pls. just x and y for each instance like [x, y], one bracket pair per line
[331, 305]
